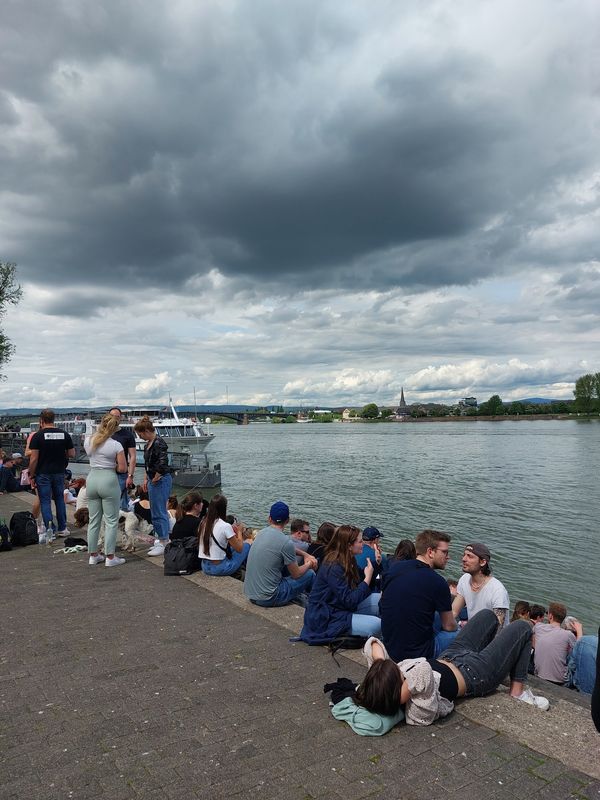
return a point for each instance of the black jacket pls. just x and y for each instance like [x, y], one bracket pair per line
[156, 457]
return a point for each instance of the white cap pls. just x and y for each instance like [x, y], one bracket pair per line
[17, 455]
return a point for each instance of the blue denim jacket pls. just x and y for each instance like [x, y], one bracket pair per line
[581, 666]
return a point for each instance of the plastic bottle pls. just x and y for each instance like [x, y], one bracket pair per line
[42, 538]
[50, 536]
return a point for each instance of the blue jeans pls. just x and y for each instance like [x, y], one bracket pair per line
[51, 487]
[366, 621]
[158, 494]
[485, 659]
[228, 565]
[581, 666]
[288, 590]
[442, 639]
[124, 499]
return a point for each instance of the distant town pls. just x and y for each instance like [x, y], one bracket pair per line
[401, 411]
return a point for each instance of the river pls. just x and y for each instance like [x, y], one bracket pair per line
[528, 489]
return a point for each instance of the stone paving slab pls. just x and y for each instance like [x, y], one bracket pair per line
[121, 683]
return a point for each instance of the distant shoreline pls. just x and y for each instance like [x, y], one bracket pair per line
[499, 418]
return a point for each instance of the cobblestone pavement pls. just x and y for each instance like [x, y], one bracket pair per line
[121, 683]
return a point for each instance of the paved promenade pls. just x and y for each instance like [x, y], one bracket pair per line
[121, 683]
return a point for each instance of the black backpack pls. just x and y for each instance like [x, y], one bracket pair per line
[181, 556]
[4, 537]
[23, 529]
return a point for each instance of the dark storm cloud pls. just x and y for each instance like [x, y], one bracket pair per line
[151, 144]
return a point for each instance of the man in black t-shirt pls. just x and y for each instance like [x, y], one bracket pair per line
[125, 437]
[412, 592]
[51, 449]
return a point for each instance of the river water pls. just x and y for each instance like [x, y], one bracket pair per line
[528, 489]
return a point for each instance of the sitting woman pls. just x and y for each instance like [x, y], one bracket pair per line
[172, 506]
[340, 602]
[222, 548]
[188, 517]
[472, 666]
[324, 536]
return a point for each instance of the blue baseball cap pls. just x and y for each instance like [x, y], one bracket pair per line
[370, 534]
[279, 512]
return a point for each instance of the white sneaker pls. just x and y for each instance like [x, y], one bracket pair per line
[158, 549]
[63, 533]
[93, 560]
[527, 696]
[115, 561]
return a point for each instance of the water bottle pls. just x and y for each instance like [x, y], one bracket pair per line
[50, 536]
[43, 538]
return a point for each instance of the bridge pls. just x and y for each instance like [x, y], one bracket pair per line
[243, 417]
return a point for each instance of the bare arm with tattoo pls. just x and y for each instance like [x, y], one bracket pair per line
[501, 615]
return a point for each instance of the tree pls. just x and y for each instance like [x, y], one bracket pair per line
[585, 388]
[10, 292]
[370, 411]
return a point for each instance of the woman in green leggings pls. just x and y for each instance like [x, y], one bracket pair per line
[103, 490]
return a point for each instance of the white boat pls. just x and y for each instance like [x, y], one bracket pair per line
[182, 434]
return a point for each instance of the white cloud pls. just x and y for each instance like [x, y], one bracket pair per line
[154, 387]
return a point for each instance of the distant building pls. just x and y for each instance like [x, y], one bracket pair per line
[402, 408]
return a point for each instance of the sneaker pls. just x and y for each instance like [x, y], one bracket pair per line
[64, 532]
[158, 549]
[527, 696]
[93, 560]
[115, 561]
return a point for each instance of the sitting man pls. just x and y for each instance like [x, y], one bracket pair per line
[8, 478]
[581, 666]
[273, 578]
[477, 588]
[371, 538]
[412, 593]
[300, 534]
[553, 645]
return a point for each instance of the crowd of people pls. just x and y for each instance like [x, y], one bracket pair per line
[428, 640]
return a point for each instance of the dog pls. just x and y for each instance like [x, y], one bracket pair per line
[129, 525]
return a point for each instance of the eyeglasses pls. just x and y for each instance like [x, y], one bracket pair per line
[443, 551]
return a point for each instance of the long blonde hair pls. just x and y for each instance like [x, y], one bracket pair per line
[108, 426]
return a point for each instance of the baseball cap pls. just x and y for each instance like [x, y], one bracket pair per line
[279, 512]
[17, 455]
[369, 534]
[480, 550]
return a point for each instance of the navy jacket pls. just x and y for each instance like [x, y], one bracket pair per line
[330, 605]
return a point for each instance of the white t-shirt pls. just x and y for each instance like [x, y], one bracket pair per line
[492, 595]
[105, 456]
[81, 500]
[222, 531]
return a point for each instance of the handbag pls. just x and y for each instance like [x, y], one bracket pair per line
[181, 556]
[227, 549]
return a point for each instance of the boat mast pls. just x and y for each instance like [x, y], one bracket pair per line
[175, 417]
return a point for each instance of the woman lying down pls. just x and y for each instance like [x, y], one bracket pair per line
[472, 666]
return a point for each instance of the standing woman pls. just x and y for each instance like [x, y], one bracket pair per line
[157, 483]
[222, 548]
[340, 602]
[103, 490]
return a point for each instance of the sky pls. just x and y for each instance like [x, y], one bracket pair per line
[302, 203]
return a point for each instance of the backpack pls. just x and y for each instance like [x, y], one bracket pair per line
[346, 641]
[181, 556]
[4, 537]
[23, 529]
